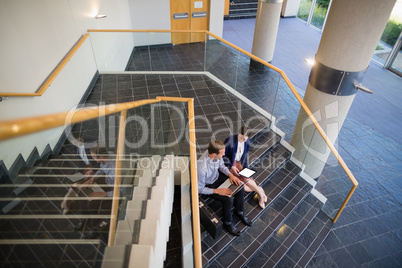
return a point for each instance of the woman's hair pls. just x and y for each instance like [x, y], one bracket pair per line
[245, 130]
[215, 146]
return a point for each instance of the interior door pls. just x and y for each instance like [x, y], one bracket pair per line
[199, 19]
[180, 20]
[189, 15]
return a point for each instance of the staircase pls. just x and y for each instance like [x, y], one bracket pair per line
[242, 9]
[288, 232]
[33, 229]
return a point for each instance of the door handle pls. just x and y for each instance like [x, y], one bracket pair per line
[177, 16]
[199, 14]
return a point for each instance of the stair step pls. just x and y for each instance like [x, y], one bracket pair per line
[243, 10]
[300, 254]
[262, 141]
[275, 248]
[87, 254]
[38, 228]
[221, 251]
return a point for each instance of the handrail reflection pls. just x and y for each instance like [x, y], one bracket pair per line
[14, 128]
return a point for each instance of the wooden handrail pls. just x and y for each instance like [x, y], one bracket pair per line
[310, 115]
[142, 31]
[194, 189]
[18, 127]
[53, 75]
[117, 181]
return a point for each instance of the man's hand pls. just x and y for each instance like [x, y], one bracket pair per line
[234, 180]
[98, 194]
[234, 170]
[223, 191]
[87, 182]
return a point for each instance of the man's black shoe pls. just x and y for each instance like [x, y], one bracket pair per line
[80, 225]
[231, 229]
[243, 218]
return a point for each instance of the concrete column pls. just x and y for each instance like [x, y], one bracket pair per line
[266, 29]
[348, 41]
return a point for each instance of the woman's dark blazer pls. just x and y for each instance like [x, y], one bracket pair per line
[231, 143]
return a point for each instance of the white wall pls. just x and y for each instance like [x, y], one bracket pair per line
[155, 14]
[150, 14]
[290, 8]
[35, 36]
[217, 8]
[112, 50]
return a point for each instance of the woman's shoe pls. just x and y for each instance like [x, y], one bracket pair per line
[262, 198]
[261, 202]
[64, 207]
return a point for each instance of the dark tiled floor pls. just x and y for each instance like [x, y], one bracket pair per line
[218, 113]
[369, 142]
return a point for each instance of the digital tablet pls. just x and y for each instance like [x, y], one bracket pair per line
[246, 172]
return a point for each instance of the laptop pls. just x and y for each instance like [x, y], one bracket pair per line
[233, 187]
[76, 177]
[245, 172]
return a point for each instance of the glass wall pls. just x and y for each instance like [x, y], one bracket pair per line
[319, 13]
[314, 12]
[396, 64]
[388, 51]
[304, 9]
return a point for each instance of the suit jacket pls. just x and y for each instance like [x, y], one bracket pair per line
[231, 143]
[88, 153]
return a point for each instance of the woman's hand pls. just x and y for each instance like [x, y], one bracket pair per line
[88, 182]
[235, 170]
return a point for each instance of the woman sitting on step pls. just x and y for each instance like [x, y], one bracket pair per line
[237, 147]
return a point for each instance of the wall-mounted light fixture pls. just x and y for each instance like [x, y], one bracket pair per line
[100, 16]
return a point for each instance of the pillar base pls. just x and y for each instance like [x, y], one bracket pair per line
[257, 66]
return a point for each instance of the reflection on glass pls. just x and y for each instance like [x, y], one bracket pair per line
[304, 9]
[390, 35]
[319, 13]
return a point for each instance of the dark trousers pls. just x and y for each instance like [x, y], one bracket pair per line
[93, 207]
[227, 202]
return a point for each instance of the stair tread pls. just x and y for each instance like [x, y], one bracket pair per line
[288, 232]
[309, 241]
[213, 248]
[252, 238]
